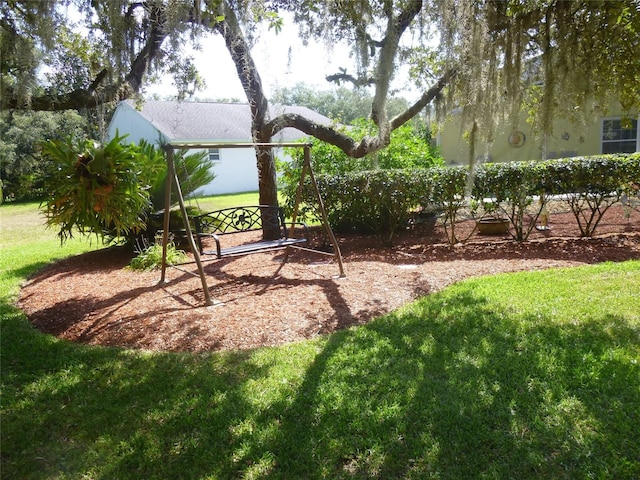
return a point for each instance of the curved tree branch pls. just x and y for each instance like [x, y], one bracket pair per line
[94, 95]
[424, 100]
[327, 134]
[345, 77]
[345, 143]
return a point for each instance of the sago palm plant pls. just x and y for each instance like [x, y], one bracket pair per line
[111, 189]
[100, 189]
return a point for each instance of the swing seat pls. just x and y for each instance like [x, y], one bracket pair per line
[238, 220]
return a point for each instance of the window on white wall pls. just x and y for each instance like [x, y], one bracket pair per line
[214, 155]
[620, 135]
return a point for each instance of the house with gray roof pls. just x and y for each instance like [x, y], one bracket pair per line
[162, 122]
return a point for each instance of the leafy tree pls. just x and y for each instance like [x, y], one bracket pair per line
[478, 54]
[342, 104]
[21, 137]
[410, 148]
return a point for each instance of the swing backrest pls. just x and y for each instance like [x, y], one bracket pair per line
[241, 219]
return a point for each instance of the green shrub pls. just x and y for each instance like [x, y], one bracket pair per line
[449, 193]
[151, 257]
[591, 185]
[512, 187]
[381, 201]
[410, 149]
[112, 190]
[377, 201]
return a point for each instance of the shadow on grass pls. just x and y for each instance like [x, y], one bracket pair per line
[469, 392]
[449, 387]
[25, 271]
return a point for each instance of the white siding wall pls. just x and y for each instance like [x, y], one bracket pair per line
[129, 121]
[236, 171]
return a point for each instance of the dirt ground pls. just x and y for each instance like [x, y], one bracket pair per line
[93, 299]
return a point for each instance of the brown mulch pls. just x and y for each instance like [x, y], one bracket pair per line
[91, 298]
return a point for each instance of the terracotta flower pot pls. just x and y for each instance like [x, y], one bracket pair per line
[493, 226]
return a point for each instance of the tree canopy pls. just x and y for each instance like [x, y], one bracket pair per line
[486, 56]
[60, 54]
[21, 136]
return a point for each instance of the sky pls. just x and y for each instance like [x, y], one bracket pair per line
[282, 61]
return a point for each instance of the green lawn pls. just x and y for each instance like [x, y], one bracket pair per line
[528, 375]
[216, 202]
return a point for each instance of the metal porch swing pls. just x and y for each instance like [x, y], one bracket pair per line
[240, 215]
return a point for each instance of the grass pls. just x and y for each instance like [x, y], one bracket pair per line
[26, 245]
[217, 202]
[528, 375]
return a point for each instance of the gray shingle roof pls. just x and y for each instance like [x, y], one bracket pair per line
[190, 121]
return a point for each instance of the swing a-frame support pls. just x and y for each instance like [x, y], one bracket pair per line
[172, 180]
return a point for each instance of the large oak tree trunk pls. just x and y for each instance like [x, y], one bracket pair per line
[263, 128]
[252, 85]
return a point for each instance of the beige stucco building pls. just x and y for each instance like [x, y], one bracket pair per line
[615, 132]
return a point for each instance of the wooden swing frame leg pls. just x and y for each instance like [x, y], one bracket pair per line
[172, 177]
[306, 166]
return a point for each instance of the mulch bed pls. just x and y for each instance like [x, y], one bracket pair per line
[92, 298]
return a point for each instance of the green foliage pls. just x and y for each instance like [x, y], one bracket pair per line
[21, 135]
[151, 257]
[592, 184]
[98, 189]
[374, 201]
[194, 170]
[512, 186]
[381, 201]
[155, 224]
[598, 174]
[115, 190]
[589, 185]
[449, 192]
[344, 105]
[409, 149]
[73, 63]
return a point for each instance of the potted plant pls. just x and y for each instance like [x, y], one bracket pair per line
[491, 222]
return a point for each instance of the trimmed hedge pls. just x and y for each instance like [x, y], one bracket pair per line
[592, 185]
[382, 201]
[377, 201]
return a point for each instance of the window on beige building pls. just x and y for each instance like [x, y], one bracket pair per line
[620, 135]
